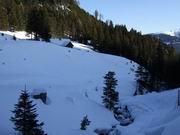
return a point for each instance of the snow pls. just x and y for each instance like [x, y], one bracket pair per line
[38, 91]
[151, 111]
[82, 46]
[18, 34]
[173, 128]
[73, 80]
[63, 42]
[171, 33]
[60, 42]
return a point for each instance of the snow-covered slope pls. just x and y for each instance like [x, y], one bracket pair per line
[154, 114]
[17, 34]
[76, 45]
[173, 33]
[170, 33]
[169, 38]
[73, 79]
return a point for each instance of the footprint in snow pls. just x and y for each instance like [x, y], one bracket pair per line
[70, 100]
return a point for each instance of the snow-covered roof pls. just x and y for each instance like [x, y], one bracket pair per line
[38, 91]
[64, 42]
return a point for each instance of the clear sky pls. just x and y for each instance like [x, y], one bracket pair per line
[147, 16]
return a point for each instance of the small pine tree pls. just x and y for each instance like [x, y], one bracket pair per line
[25, 116]
[110, 96]
[84, 123]
[14, 37]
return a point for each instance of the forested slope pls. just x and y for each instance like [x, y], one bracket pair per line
[67, 19]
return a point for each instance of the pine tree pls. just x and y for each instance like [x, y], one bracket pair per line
[3, 17]
[32, 24]
[25, 117]
[38, 23]
[84, 123]
[12, 16]
[96, 14]
[110, 96]
[44, 30]
[158, 58]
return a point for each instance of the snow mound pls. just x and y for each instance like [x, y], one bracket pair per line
[153, 113]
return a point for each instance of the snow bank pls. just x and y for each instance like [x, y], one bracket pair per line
[17, 34]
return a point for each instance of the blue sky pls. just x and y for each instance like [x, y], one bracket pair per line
[146, 16]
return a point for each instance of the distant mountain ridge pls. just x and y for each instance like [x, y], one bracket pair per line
[174, 33]
[170, 38]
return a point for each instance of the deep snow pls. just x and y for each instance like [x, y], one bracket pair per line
[73, 79]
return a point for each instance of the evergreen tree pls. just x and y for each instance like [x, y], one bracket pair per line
[84, 123]
[96, 14]
[144, 81]
[3, 17]
[38, 24]
[20, 17]
[44, 30]
[110, 96]
[32, 23]
[12, 16]
[25, 117]
[44, 18]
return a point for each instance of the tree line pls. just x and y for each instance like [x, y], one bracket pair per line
[64, 18]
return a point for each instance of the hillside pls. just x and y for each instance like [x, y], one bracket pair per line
[67, 75]
[65, 19]
[171, 40]
[73, 79]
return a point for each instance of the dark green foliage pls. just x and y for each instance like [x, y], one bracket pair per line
[84, 123]
[146, 82]
[3, 19]
[25, 117]
[110, 96]
[38, 24]
[12, 18]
